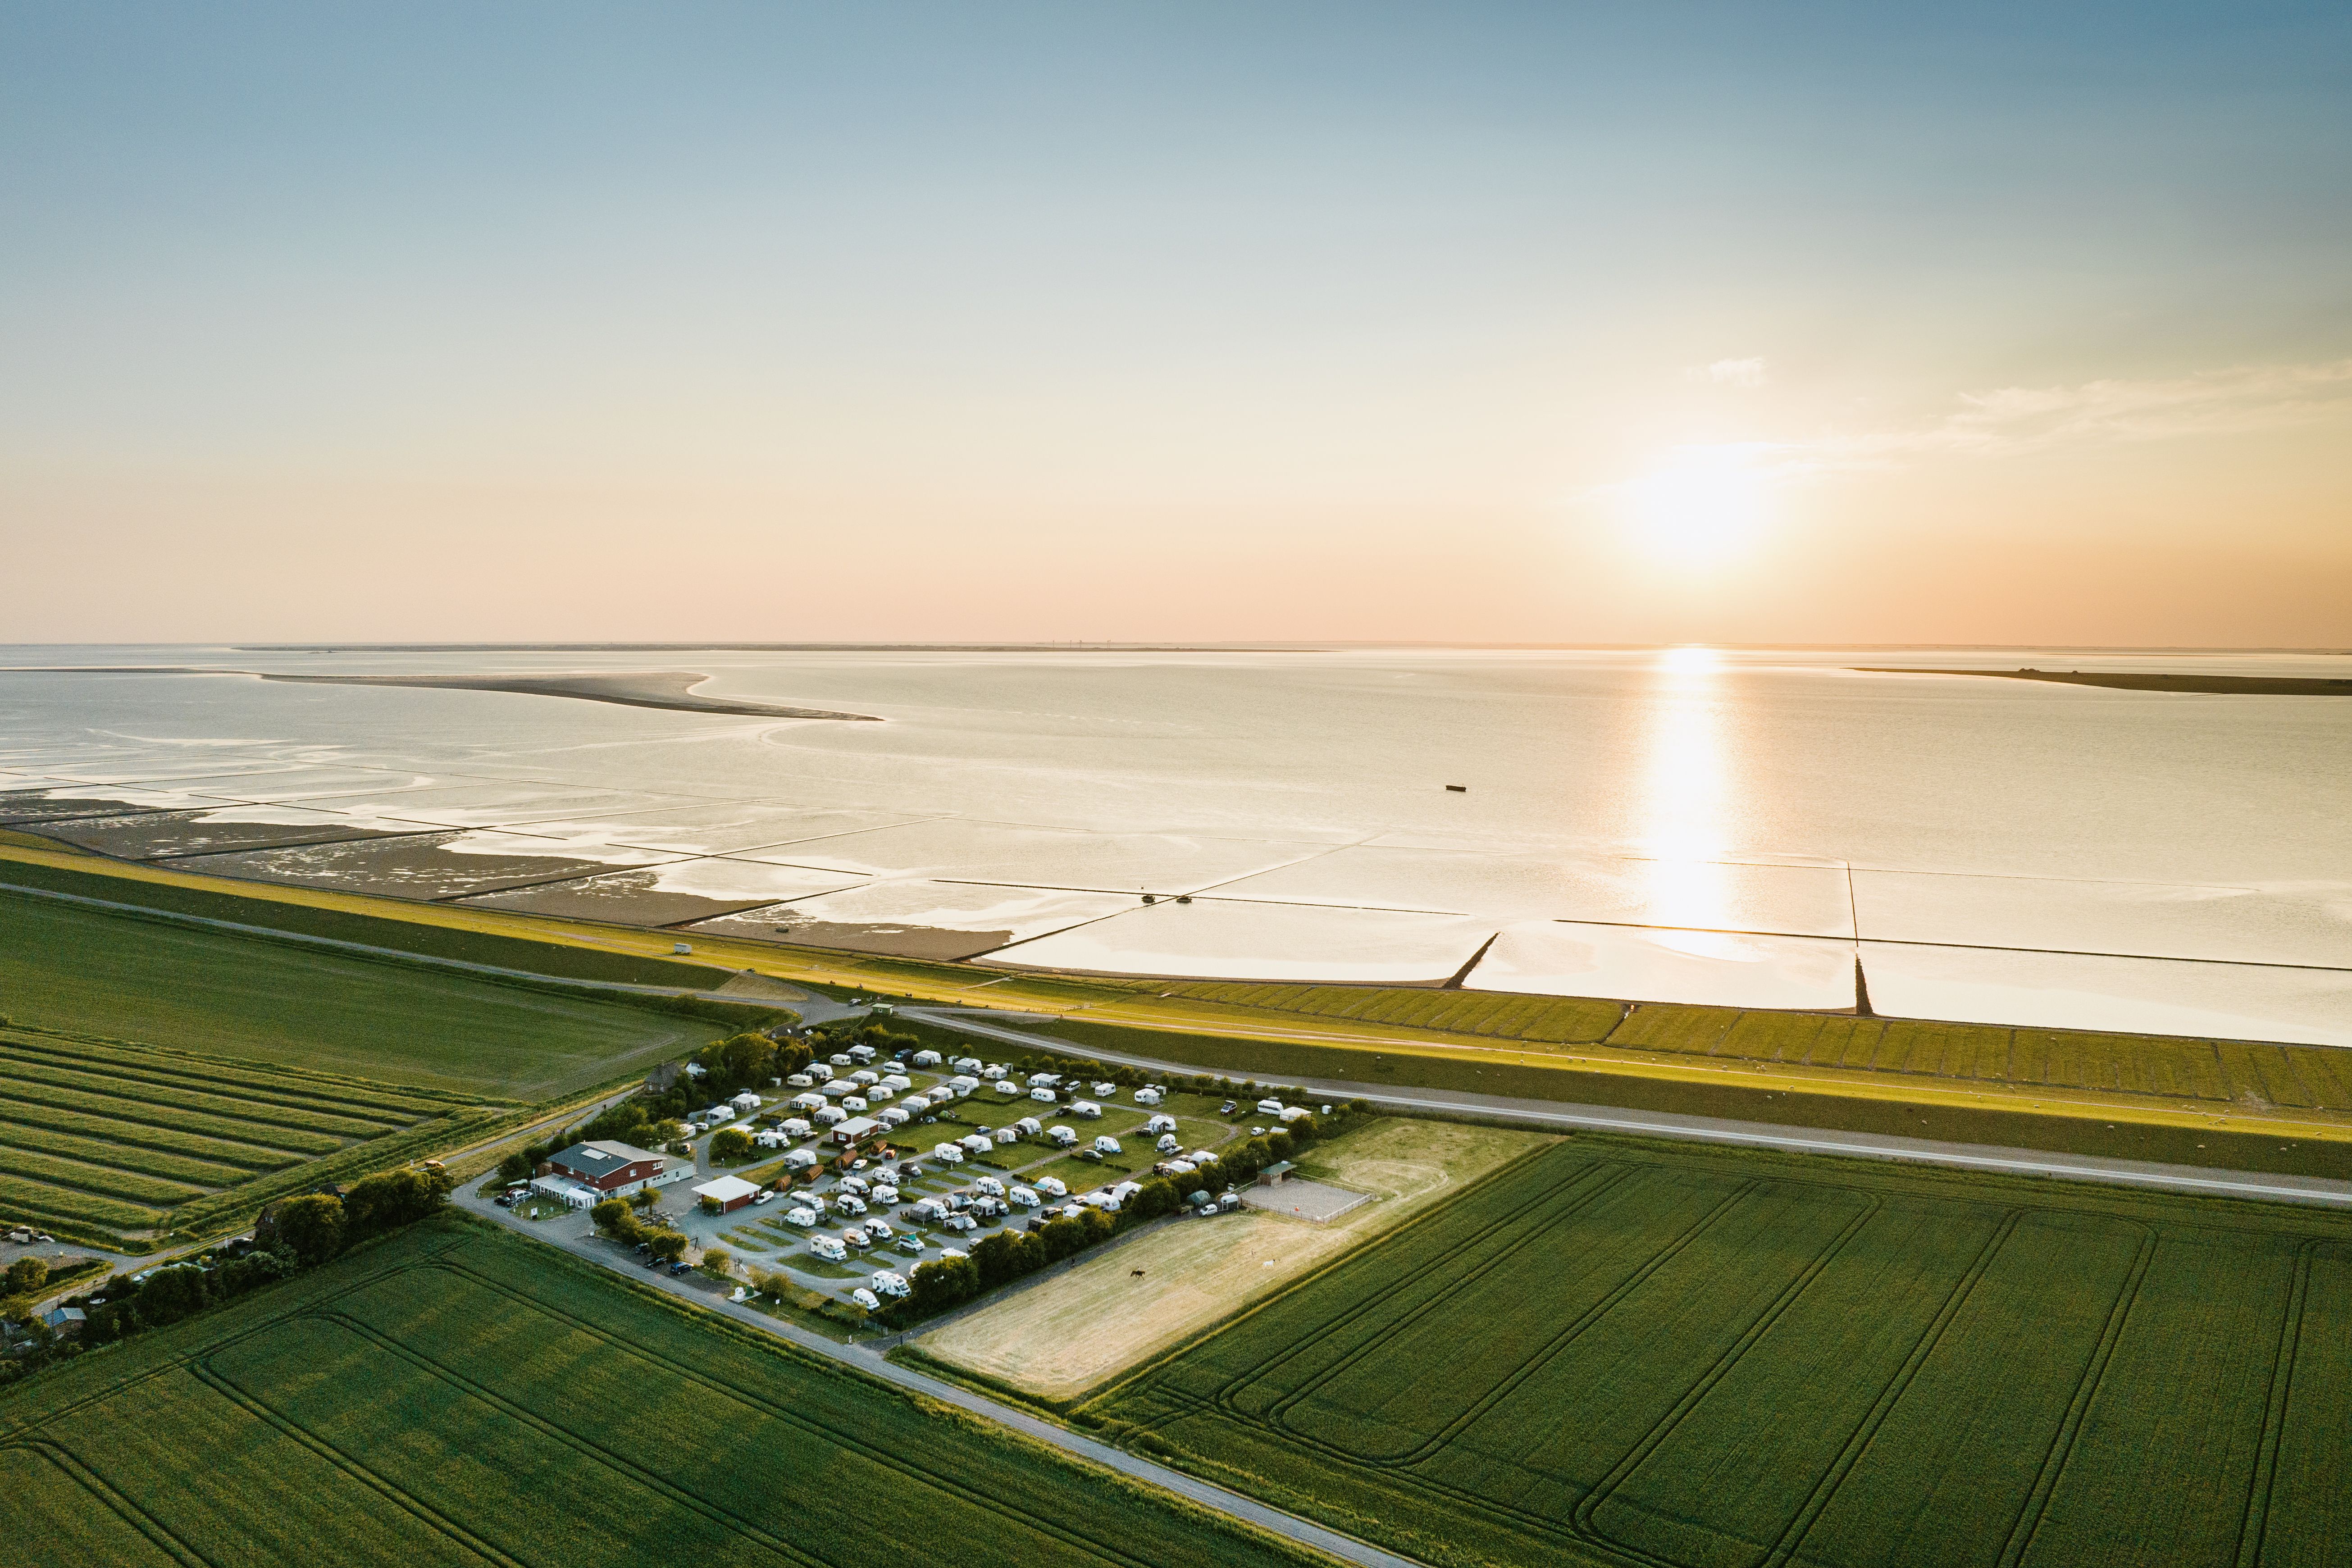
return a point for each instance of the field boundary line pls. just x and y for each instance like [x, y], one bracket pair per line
[1691, 1397]
[588, 1447]
[81, 1472]
[1543, 1214]
[398, 1496]
[1431, 1445]
[1393, 1237]
[2254, 1524]
[1890, 1394]
[235, 1066]
[855, 1443]
[2086, 1390]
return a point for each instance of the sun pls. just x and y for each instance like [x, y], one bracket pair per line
[1702, 504]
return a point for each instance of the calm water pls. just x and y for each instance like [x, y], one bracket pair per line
[1686, 825]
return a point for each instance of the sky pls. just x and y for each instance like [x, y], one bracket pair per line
[1461, 322]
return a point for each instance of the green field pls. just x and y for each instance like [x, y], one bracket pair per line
[455, 1396]
[112, 1140]
[1618, 1353]
[63, 966]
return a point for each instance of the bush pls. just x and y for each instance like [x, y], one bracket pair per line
[27, 1275]
[616, 1220]
[516, 1166]
[718, 1262]
[1007, 1256]
[667, 1245]
[311, 1225]
[390, 1199]
[171, 1294]
[942, 1283]
[730, 1146]
[254, 1269]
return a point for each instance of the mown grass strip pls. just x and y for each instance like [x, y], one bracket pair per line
[122, 1156]
[15, 1091]
[106, 1181]
[21, 1195]
[260, 1086]
[170, 1140]
[13, 1072]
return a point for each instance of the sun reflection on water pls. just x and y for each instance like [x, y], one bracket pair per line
[1685, 793]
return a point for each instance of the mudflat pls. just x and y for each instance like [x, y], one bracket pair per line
[672, 689]
[2210, 685]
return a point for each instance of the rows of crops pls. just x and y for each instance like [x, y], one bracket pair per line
[456, 1395]
[1616, 1354]
[2298, 1076]
[109, 1136]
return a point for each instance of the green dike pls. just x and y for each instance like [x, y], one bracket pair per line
[1623, 1352]
[73, 968]
[2235, 1147]
[455, 1393]
[551, 959]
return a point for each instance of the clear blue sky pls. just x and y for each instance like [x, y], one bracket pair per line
[1510, 323]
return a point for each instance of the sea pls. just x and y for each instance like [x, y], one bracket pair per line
[1761, 828]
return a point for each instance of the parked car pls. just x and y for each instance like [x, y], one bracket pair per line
[866, 1299]
[680, 1267]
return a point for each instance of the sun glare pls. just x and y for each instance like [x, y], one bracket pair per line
[1702, 504]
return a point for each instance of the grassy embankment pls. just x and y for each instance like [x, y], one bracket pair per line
[1576, 1361]
[457, 1394]
[2218, 1102]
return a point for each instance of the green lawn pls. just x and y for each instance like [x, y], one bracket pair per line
[88, 971]
[456, 1395]
[1620, 1354]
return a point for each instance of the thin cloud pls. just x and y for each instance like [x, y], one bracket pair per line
[2012, 420]
[1736, 372]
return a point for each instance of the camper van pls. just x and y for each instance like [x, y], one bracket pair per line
[866, 1299]
[948, 1153]
[829, 1248]
[1063, 1137]
[989, 1187]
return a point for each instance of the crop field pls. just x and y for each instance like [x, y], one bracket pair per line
[1616, 1354]
[114, 1140]
[457, 1396]
[65, 966]
[1492, 1014]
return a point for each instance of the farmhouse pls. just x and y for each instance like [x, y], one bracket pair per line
[608, 1169]
[727, 1193]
